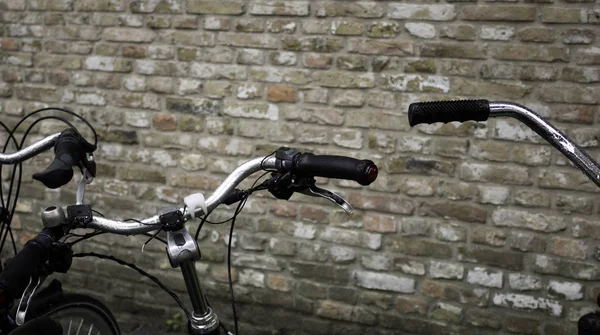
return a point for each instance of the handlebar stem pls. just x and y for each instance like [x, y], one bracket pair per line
[550, 134]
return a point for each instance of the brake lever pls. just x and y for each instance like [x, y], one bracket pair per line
[34, 282]
[315, 191]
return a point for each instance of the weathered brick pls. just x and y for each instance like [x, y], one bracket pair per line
[458, 68]
[523, 219]
[37, 93]
[498, 13]
[283, 58]
[422, 12]
[318, 61]
[446, 270]
[185, 22]
[415, 83]
[521, 301]
[110, 64]
[249, 26]
[217, 89]
[278, 75]
[532, 53]
[537, 34]
[514, 175]
[565, 290]
[568, 248]
[134, 100]
[217, 71]
[578, 36]
[345, 80]
[320, 272]
[348, 98]
[419, 247]
[570, 180]
[361, 9]
[419, 166]
[215, 7]
[538, 73]
[523, 325]
[522, 282]
[316, 44]
[561, 15]
[100, 5]
[281, 26]
[454, 292]
[448, 232]
[255, 111]
[566, 268]
[463, 32]
[281, 93]
[493, 257]
[572, 94]
[128, 35]
[581, 74]
[454, 50]
[487, 235]
[383, 29]
[280, 8]
[384, 282]
[392, 47]
[459, 211]
[142, 175]
[569, 203]
[480, 318]
[329, 116]
[497, 33]
[217, 23]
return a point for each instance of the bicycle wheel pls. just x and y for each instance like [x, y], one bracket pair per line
[78, 315]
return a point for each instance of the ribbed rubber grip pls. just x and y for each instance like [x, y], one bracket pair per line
[68, 151]
[448, 111]
[15, 277]
[363, 172]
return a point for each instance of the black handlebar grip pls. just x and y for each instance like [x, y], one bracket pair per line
[363, 172]
[15, 276]
[448, 111]
[68, 152]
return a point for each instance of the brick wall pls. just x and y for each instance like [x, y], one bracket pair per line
[473, 227]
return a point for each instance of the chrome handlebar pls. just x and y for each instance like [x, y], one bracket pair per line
[153, 223]
[550, 134]
[30, 151]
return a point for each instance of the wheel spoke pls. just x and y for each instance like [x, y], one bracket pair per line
[91, 327]
[70, 323]
[79, 328]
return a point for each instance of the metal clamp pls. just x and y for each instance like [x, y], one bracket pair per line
[181, 247]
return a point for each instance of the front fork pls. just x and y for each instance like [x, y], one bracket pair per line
[183, 252]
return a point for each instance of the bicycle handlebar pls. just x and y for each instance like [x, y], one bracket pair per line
[480, 110]
[30, 151]
[362, 171]
[153, 222]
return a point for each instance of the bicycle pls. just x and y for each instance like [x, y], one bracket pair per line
[481, 110]
[291, 172]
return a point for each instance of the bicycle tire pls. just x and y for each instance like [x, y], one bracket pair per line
[77, 314]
